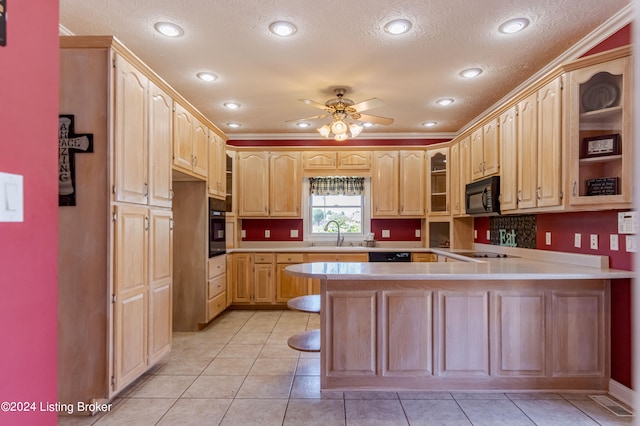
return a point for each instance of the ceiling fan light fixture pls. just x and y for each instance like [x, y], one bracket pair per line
[282, 28]
[325, 131]
[339, 127]
[513, 25]
[168, 29]
[355, 129]
[471, 72]
[398, 26]
[341, 137]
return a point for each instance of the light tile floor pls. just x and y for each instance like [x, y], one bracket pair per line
[240, 371]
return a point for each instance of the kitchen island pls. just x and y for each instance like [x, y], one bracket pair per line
[511, 324]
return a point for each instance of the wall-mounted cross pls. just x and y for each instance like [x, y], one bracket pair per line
[68, 145]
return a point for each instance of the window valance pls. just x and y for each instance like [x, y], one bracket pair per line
[336, 185]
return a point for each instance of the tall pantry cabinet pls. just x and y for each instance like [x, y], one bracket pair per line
[115, 244]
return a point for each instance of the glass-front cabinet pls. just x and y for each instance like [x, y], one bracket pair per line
[599, 134]
[438, 175]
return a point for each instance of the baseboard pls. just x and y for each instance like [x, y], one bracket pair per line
[622, 393]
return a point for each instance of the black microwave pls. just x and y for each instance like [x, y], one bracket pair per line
[217, 224]
[482, 198]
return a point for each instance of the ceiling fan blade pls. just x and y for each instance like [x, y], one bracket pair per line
[375, 119]
[368, 104]
[317, 105]
[308, 118]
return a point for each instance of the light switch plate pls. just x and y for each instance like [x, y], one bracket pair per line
[577, 240]
[488, 234]
[243, 233]
[475, 234]
[547, 238]
[293, 233]
[613, 242]
[593, 241]
[11, 197]
[417, 233]
[267, 233]
[386, 233]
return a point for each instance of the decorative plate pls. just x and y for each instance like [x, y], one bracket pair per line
[599, 96]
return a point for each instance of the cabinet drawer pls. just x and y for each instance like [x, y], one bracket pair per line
[216, 305]
[216, 266]
[263, 258]
[289, 258]
[216, 286]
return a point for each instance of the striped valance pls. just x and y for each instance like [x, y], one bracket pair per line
[336, 185]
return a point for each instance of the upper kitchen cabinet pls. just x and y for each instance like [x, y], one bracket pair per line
[190, 143]
[397, 183]
[269, 184]
[412, 183]
[599, 133]
[217, 181]
[438, 181]
[460, 174]
[285, 183]
[354, 160]
[160, 137]
[325, 162]
[532, 133]
[485, 151]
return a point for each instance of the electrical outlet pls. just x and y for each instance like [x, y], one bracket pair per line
[547, 238]
[488, 234]
[243, 233]
[593, 241]
[475, 234]
[267, 233]
[293, 233]
[417, 233]
[386, 233]
[613, 242]
[577, 241]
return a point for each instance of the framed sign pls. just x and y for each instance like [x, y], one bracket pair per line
[600, 146]
[602, 186]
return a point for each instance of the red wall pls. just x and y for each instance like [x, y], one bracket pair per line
[28, 250]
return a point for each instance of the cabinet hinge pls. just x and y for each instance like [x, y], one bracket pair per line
[561, 195]
[114, 189]
[171, 222]
[115, 217]
[113, 380]
[113, 298]
[115, 61]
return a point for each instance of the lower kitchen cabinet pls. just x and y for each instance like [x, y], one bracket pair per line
[216, 286]
[289, 286]
[253, 278]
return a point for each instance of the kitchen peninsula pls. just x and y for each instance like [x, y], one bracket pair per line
[511, 324]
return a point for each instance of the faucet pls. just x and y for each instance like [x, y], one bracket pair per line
[340, 239]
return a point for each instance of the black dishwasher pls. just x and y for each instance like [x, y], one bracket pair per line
[389, 256]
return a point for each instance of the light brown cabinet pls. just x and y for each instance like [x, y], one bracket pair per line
[332, 161]
[599, 99]
[115, 261]
[412, 183]
[289, 286]
[216, 286]
[397, 183]
[509, 160]
[190, 143]
[253, 184]
[254, 278]
[217, 179]
[438, 182]
[485, 151]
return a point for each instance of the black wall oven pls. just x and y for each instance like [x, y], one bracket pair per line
[217, 243]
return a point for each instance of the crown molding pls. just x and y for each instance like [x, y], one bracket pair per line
[312, 136]
[63, 31]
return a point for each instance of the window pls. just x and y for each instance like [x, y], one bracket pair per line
[342, 199]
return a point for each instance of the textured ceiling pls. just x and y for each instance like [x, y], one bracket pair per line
[341, 43]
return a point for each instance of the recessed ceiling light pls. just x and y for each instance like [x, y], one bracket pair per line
[282, 28]
[232, 105]
[207, 76]
[233, 125]
[514, 25]
[430, 123]
[168, 29]
[445, 101]
[397, 26]
[471, 72]
[367, 124]
[303, 125]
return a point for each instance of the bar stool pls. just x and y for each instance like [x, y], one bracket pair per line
[307, 341]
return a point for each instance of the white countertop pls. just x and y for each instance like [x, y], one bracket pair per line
[487, 269]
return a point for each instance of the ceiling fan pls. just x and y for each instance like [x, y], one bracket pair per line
[344, 110]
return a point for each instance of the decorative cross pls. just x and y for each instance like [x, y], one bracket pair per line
[68, 145]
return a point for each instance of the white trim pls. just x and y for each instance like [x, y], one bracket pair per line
[622, 393]
[64, 31]
[315, 136]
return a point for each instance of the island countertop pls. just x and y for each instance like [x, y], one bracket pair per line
[492, 269]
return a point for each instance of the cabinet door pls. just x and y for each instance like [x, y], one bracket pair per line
[130, 292]
[182, 134]
[160, 283]
[263, 284]
[354, 160]
[160, 137]
[241, 278]
[549, 144]
[477, 156]
[454, 167]
[288, 286]
[216, 181]
[465, 171]
[490, 149]
[385, 183]
[253, 182]
[509, 159]
[527, 151]
[131, 182]
[200, 149]
[412, 183]
[319, 160]
[285, 184]
[438, 181]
